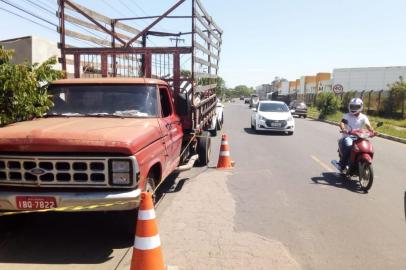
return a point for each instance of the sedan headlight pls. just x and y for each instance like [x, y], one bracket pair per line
[261, 118]
[290, 118]
[121, 173]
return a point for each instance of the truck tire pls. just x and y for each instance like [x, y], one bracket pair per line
[204, 149]
[150, 186]
[213, 132]
[219, 124]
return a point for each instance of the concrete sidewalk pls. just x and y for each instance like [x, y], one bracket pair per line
[197, 231]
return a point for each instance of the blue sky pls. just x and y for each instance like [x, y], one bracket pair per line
[264, 39]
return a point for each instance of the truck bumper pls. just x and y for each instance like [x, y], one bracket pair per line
[126, 200]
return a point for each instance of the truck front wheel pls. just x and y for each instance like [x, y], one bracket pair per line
[204, 149]
[150, 186]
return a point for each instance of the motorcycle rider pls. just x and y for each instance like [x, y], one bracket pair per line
[352, 120]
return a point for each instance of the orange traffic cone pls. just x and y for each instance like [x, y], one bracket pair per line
[147, 254]
[224, 158]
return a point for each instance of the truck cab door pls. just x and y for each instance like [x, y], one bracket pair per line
[171, 125]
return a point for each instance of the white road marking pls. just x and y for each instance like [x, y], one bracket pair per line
[322, 164]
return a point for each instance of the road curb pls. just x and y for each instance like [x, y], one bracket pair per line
[385, 136]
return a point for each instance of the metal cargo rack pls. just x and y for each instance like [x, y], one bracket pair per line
[126, 53]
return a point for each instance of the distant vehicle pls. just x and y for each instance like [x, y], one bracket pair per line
[272, 116]
[254, 100]
[269, 95]
[218, 125]
[241, 97]
[247, 101]
[298, 108]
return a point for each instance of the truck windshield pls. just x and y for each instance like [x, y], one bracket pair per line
[273, 107]
[104, 100]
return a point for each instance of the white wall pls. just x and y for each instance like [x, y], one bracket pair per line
[325, 86]
[34, 50]
[302, 85]
[359, 79]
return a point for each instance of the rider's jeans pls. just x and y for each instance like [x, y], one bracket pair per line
[345, 145]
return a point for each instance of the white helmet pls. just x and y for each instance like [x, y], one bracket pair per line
[356, 105]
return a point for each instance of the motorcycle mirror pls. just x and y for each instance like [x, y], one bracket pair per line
[379, 124]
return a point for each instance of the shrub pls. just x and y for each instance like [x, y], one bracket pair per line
[23, 88]
[393, 103]
[347, 96]
[327, 103]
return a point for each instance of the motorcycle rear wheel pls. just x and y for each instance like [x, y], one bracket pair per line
[365, 175]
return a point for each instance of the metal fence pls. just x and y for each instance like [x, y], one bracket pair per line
[380, 103]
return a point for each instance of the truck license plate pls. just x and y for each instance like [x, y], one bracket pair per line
[35, 202]
[275, 124]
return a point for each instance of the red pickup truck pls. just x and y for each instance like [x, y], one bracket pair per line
[138, 118]
[105, 140]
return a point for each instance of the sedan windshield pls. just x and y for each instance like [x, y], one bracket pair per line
[273, 107]
[104, 100]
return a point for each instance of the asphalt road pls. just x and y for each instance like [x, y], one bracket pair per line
[283, 190]
[286, 190]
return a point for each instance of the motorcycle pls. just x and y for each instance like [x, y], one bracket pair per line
[360, 162]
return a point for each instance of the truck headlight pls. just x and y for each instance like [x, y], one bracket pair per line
[121, 172]
[118, 166]
[121, 178]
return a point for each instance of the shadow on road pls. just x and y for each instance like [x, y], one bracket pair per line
[71, 238]
[334, 179]
[264, 133]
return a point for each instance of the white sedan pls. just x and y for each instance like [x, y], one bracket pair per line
[272, 116]
[218, 120]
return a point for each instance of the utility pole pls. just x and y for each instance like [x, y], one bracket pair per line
[177, 40]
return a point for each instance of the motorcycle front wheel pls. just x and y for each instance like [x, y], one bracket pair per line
[365, 175]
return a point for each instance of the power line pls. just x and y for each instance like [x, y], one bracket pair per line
[39, 24]
[27, 19]
[130, 9]
[30, 13]
[113, 8]
[45, 3]
[39, 6]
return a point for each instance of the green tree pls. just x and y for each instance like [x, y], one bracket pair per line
[327, 103]
[241, 90]
[394, 101]
[221, 84]
[23, 88]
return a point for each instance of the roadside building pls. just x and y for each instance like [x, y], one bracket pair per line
[370, 78]
[34, 50]
[298, 81]
[292, 87]
[263, 89]
[309, 84]
[283, 87]
[323, 82]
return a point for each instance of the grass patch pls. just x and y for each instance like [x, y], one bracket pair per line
[391, 127]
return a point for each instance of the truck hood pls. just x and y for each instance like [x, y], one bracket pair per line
[80, 134]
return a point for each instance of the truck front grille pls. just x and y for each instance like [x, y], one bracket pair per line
[54, 171]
